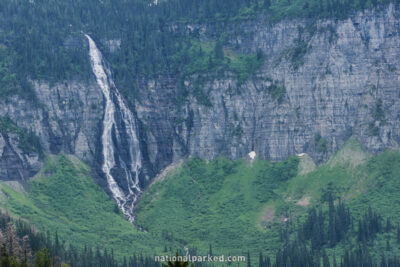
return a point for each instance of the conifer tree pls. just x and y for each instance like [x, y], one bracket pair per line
[42, 258]
[2, 239]
[267, 3]
[26, 250]
[13, 242]
[218, 50]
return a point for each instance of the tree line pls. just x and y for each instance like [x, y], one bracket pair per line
[22, 245]
[43, 40]
[314, 241]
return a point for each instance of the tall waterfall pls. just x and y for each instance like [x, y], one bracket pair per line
[116, 106]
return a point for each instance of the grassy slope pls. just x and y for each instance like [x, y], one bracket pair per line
[234, 205]
[220, 202]
[207, 205]
[64, 198]
[363, 181]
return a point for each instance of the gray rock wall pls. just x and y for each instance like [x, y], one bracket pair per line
[346, 84]
[335, 79]
[66, 118]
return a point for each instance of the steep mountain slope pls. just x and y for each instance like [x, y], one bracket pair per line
[131, 88]
[241, 205]
[63, 198]
[234, 206]
[217, 203]
[291, 87]
[321, 83]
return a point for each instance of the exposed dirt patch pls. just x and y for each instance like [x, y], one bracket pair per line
[268, 214]
[304, 202]
[351, 154]
[306, 164]
[167, 171]
[16, 186]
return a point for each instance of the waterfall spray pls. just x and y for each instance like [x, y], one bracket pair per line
[114, 103]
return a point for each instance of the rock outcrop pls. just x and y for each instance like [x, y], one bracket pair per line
[66, 118]
[321, 83]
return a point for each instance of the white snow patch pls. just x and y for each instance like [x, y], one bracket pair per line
[252, 155]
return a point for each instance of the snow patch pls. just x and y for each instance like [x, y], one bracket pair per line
[252, 155]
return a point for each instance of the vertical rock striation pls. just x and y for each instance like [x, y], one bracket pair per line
[122, 158]
[322, 82]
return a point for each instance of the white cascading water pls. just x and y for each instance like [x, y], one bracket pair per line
[125, 201]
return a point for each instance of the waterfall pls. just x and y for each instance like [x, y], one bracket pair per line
[132, 164]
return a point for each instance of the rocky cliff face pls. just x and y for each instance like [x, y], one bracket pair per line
[321, 84]
[66, 118]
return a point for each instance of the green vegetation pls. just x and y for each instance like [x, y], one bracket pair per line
[235, 131]
[28, 141]
[233, 205]
[199, 94]
[381, 181]
[366, 184]
[194, 57]
[245, 65]
[379, 117]
[202, 59]
[379, 113]
[220, 202]
[319, 8]
[21, 245]
[330, 228]
[63, 198]
[239, 204]
[296, 55]
[35, 47]
[277, 91]
[321, 144]
[236, 10]
[8, 78]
